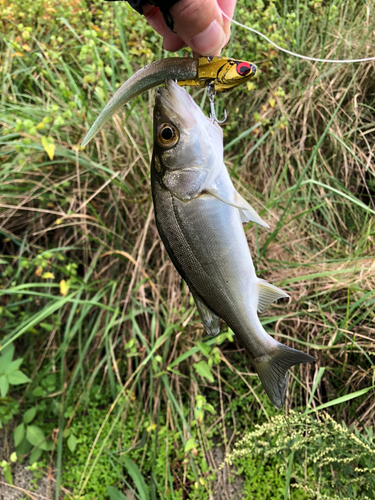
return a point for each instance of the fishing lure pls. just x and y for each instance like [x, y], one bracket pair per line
[218, 74]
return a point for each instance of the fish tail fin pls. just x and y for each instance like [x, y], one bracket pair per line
[273, 367]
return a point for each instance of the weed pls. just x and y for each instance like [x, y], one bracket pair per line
[330, 460]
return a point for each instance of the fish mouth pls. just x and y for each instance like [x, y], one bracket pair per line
[174, 102]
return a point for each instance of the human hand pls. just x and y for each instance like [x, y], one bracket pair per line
[199, 24]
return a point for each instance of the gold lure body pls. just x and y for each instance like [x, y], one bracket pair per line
[223, 73]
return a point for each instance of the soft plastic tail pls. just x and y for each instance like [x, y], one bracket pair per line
[273, 367]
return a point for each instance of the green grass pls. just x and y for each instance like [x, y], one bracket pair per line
[108, 333]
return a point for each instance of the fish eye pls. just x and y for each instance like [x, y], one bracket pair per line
[167, 135]
[243, 68]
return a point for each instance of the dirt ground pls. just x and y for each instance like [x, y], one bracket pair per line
[22, 487]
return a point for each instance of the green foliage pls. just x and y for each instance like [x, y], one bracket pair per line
[115, 494]
[331, 461]
[203, 369]
[135, 474]
[85, 427]
[7, 471]
[263, 478]
[10, 375]
[38, 471]
[9, 370]
[28, 437]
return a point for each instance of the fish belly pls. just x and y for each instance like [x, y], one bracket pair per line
[206, 242]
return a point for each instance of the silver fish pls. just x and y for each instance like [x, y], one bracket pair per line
[199, 216]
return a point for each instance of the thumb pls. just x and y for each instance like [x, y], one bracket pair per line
[199, 23]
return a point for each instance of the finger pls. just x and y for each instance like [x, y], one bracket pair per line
[199, 23]
[227, 6]
[154, 18]
[172, 42]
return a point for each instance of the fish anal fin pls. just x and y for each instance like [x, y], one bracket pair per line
[247, 212]
[210, 320]
[273, 367]
[267, 294]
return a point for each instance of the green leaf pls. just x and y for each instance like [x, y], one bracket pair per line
[29, 415]
[19, 434]
[115, 494]
[47, 326]
[190, 444]
[13, 366]
[7, 472]
[100, 93]
[4, 386]
[288, 476]
[46, 446]
[72, 443]
[137, 477]
[24, 447]
[209, 408]
[34, 435]
[188, 353]
[39, 392]
[342, 399]
[6, 355]
[35, 455]
[17, 378]
[204, 349]
[204, 370]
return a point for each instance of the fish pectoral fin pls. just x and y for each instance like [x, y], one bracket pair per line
[210, 320]
[247, 212]
[273, 367]
[267, 294]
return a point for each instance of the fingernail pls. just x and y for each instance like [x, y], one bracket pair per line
[209, 41]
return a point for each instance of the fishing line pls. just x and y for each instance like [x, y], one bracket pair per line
[308, 58]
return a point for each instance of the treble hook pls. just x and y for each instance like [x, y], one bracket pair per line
[211, 92]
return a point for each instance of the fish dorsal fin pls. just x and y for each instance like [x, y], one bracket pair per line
[267, 294]
[210, 320]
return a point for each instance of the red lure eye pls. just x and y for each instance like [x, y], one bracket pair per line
[243, 68]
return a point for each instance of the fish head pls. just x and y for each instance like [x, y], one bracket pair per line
[184, 138]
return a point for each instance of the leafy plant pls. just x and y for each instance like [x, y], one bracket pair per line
[28, 436]
[10, 375]
[339, 461]
[9, 370]
[7, 468]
